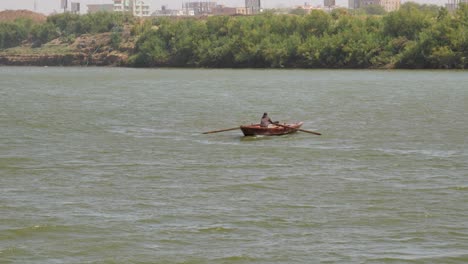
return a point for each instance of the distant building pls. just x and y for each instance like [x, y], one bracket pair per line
[241, 11]
[307, 8]
[452, 5]
[122, 6]
[363, 3]
[200, 7]
[64, 4]
[172, 12]
[75, 7]
[388, 5]
[134, 7]
[141, 9]
[223, 10]
[253, 6]
[226, 11]
[100, 8]
[353, 4]
[329, 3]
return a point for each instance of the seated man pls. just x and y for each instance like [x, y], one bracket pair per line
[266, 121]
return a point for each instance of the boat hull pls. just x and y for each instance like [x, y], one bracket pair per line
[272, 130]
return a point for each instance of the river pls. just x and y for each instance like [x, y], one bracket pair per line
[109, 165]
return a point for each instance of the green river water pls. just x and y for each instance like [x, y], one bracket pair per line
[108, 165]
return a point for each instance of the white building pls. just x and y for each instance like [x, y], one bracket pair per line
[173, 12]
[253, 6]
[388, 5]
[135, 7]
[452, 5]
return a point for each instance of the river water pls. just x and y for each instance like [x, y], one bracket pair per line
[108, 165]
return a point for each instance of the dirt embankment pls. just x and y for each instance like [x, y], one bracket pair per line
[87, 49]
[12, 15]
[40, 60]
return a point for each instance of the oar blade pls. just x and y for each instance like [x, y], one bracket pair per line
[221, 130]
[311, 132]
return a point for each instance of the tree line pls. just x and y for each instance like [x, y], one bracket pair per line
[415, 36]
[65, 26]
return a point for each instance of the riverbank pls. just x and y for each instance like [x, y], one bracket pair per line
[86, 50]
[413, 37]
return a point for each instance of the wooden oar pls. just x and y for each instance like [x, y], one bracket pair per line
[222, 130]
[303, 130]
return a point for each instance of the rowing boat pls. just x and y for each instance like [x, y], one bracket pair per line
[271, 130]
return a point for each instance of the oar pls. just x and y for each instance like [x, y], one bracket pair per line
[222, 130]
[303, 130]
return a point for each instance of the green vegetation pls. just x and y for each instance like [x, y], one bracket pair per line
[374, 10]
[64, 26]
[416, 36]
[11, 34]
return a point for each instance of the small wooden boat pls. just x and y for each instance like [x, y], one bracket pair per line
[271, 130]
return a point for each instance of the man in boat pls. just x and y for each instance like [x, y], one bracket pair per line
[266, 121]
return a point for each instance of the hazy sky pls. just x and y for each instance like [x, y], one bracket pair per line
[48, 6]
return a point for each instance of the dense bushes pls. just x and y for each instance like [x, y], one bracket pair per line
[416, 36]
[92, 23]
[12, 34]
[62, 25]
